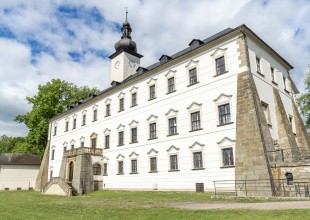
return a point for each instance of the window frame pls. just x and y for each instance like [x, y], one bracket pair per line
[173, 127]
[153, 169]
[224, 118]
[97, 169]
[258, 62]
[152, 132]
[105, 169]
[217, 60]
[231, 161]
[195, 122]
[120, 169]
[171, 86]
[152, 92]
[200, 166]
[134, 99]
[134, 166]
[107, 141]
[134, 135]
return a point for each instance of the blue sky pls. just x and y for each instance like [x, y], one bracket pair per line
[72, 40]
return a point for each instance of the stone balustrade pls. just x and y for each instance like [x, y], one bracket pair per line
[83, 150]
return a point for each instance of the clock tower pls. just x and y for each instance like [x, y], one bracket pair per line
[125, 61]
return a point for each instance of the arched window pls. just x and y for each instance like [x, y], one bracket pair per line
[289, 178]
[97, 169]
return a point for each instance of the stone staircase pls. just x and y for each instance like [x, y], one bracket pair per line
[58, 186]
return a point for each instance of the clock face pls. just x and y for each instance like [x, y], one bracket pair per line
[131, 64]
[116, 65]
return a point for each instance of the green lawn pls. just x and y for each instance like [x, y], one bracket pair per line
[125, 205]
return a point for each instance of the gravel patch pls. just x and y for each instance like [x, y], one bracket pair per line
[256, 206]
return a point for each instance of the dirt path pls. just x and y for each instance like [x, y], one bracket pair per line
[257, 206]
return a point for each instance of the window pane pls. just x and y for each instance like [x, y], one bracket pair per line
[192, 76]
[153, 164]
[198, 160]
[97, 169]
[172, 126]
[173, 162]
[195, 119]
[107, 141]
[120, 138]
[220, 65]
[171, 84]
[152, 130]
[134, 135]
[105, 169]
[152, 92]
[120, 167]
[134, 166]
[224, 114]
[228, 159]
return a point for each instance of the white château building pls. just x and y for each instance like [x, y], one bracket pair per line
[223, 108]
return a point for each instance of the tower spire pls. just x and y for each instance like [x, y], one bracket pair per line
[126, 12]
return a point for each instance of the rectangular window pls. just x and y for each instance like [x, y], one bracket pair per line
[224, 114]
[272, 74]
[120, 138]
[220, 65]
[171, 85]
[228, 158]
[173, 162]
[65, 149]
[153, 131]
[53, 154]
[55, 130]
[84, 120]
[133, 99]
[107, 142]
[95, 115]
[82, 144]
[193, 76]
[67, 126]
[258, 69]
[134, 168]
[284, 83]
[105, 169]
[74, 123]
[121, 104]
[265, 109]
[152, 92]
[153, 164]
[172, 126]
[72, 146]
[195, 120]
[107, 110]
[51, 174]
[198, 160]
[134, 138]
[120, 167]
[94, 142]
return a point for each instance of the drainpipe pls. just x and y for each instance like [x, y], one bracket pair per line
[272, 185]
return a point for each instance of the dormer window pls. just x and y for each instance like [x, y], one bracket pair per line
[164, 58]
[141, 70]
[195, 43]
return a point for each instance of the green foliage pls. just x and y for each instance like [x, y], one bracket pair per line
[51, 100]
[12, 144]
[304, 102]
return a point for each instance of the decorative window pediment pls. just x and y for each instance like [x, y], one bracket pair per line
[152, 118]
[170, 73]
[197, 146]
[194, 106]
[218, 52]
[134, 89]
[226, 142]
[107, 131]
[55, 124]
[173, 149]
[84, 112]
[93, 135]
[152, 81]
[108, 101]
[51, 168]
[120, 127]
[192, 64]
[121, 95]
[74, 116]
[105, 159]
[65, 144]
[120, 157]
[72, 142]
[152, 152]
[82, 139]
[171, 113]
[133, 124]
[67, 119]
[95, 107]
[53, 147]
[133, 155]
[222, 98]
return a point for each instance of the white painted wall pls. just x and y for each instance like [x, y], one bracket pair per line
[18, 176]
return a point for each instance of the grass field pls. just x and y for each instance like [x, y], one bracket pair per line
[126, 205]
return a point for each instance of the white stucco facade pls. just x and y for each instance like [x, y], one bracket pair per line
[211, 91]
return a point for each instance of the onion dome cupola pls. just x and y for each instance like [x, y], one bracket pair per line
[125, 60]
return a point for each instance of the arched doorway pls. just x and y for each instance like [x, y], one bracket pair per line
[71, 167]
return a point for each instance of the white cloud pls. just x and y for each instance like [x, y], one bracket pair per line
[159, 27]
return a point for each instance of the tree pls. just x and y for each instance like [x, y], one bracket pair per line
[304, 101]
[51, 100]
[12, 144]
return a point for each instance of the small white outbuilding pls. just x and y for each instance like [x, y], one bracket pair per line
[18, 171]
